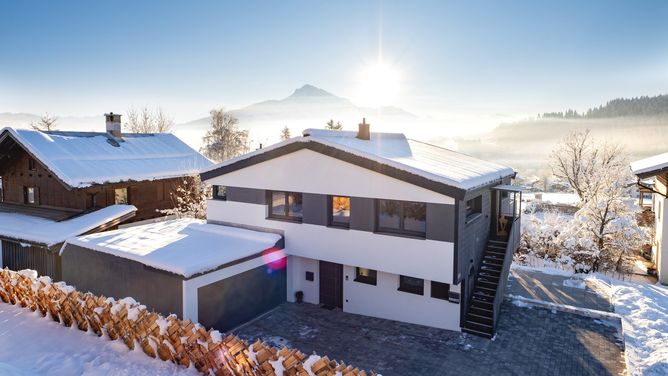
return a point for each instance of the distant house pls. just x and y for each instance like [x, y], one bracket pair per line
[69, 183]
[656, 167]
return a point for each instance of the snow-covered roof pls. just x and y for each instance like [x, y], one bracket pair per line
[82, 159]
[181, 246]
[26, 228]
[651, 164]
[394, 149]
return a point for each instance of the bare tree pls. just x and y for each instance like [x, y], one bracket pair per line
[334, 126]
[224, 140]
[146, 120]
[285, 133]
[578, 158]
[45, 123]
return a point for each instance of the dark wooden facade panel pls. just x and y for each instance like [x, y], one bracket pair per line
[148, 196]
[17, 257]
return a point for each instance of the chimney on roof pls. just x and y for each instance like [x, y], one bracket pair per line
[364, 132]
[113, 124]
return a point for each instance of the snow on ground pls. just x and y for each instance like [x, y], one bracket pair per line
[34, 345]
[557, 198]
[644, 311]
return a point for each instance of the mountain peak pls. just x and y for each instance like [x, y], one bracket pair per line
[311, 91]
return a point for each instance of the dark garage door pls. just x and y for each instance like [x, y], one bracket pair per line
[231, 302]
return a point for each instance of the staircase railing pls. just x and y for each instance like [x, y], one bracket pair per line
[513, 243]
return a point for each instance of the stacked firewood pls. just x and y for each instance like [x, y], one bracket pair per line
[167, 338]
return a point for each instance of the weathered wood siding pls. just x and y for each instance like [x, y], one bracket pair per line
[16, 257]
[147, 196]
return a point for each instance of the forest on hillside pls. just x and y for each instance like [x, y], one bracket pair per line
[619, 107]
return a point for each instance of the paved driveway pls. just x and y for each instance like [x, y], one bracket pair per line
[558, 289]
[530, 341]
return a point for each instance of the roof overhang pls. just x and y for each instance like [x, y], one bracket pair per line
[105, 225]
[343, 155]
[8, 133]
[508, 188]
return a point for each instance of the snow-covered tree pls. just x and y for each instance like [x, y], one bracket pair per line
[285, 133]
[334, 126]
[582, 161]
[146, 120]
[224, 140]
[189, 198]
[605, 230]
[45, 123]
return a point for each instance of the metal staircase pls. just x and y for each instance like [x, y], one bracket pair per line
[480, 318]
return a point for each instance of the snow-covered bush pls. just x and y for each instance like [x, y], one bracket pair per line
[189, 198]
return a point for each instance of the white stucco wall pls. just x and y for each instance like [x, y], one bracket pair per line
[385, 301]
[421, 258]
[297, 268]
[311, 172]
[660, 239]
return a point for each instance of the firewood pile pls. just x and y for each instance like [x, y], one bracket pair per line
[167, 338]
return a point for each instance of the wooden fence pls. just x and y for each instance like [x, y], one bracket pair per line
[168, 338]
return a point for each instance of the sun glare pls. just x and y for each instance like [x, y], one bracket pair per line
[379, 85]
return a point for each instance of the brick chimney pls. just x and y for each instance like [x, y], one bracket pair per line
[114, 124]
[364, 132]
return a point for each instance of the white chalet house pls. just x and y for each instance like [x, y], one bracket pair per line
[380, 225]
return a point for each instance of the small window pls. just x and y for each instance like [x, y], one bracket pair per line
[220, 192]
[440, 290]
[411, 285]
[285, 205]
[339, 214]
[30, 195]
[368, 276]
[473, 208]
[121, 196]
[402, 217]
[310, 276]
[31, 164]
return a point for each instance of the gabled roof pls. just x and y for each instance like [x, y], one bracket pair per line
[46, 232]
[82, 159]
[429, 166]
[651, 166]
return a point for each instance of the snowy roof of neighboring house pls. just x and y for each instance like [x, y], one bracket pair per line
[82, 159]
[181, 246]
[432, 162]
[31, 229]
[646, 167]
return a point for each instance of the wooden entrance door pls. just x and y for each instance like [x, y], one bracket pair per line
[331, 284]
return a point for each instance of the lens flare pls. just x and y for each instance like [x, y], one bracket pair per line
[274, 258]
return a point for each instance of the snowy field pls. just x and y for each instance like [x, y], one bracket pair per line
[33, 345]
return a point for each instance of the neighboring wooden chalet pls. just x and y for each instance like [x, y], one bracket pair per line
[656, 167]
[56, 176]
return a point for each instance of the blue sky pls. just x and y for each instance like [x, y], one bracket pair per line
[492, 59]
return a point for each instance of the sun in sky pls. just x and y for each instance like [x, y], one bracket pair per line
[379, 84]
